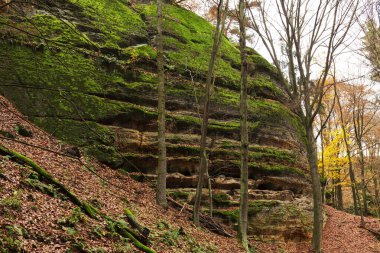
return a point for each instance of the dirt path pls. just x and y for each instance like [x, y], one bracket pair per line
[342, 233]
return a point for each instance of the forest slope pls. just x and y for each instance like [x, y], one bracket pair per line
[36, 218]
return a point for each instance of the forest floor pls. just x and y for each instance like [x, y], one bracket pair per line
[343, 234]
[36, 220]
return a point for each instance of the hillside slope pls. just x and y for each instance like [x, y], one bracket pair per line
[35, 217]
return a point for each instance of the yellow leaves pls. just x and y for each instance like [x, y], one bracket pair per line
[334, 155]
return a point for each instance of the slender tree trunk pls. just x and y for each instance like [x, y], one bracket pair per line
[162, 163]
[333, 194]
[323, 167]
[339, 196]
[350, 164]
[317, 196]
[203, 155]
[243, 219]
[362, 174]
[210, 192]
[376, 185]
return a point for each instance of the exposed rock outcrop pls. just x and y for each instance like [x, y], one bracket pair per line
[84, 70]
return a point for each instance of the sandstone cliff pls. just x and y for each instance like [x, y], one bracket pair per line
[84, 70]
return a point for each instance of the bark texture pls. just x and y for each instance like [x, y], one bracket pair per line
[162, 163]
[243, 218]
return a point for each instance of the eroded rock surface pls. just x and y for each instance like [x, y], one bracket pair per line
[85, 71]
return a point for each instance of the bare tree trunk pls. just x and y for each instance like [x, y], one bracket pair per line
[209, 192]
[323, 167]
[317, 196]
[350, 165]
[162, 163]
[339, 196]
[362, 174]
[376, 185]
[243, 219]
[333, 194]
[203, 155]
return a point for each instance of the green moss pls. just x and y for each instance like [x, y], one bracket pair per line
[179, 195]
[190, 39]
[223, 199]
[21, 130]
[48, 189]
[183, 149]
[262, 63]
[229, 215]
[254, 207]
[277, 169]
[76, 132]
[114, 19]
[7, 134]
[264, 86]
[64, 70]
[57, 30]
[139, 53]
[13, 202]
[9, 241]
[74, 218]
[106, 154]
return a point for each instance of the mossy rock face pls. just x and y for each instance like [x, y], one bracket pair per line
[274, 220]
[85, 71]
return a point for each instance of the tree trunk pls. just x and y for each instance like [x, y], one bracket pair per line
[203, 155]
[333, 194]
[323, 167]
[362, 174]
[375, 183]
[350, 165]
[339, 196]
[317, 196]
[243, 219]
[210, 193]
[162, 163]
